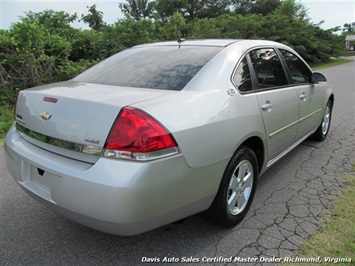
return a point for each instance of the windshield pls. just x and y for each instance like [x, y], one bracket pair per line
[157, 67]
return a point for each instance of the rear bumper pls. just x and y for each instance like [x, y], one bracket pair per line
[115, 196]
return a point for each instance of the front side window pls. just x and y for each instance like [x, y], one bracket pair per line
[241, 78]
[156, 67]
[268, 68]
[300, 73]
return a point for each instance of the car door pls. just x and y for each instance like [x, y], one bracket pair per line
[278, 102]
[309, 97]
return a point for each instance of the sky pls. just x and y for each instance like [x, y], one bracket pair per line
[333, 13]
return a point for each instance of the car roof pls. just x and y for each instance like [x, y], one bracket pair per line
[203, 42]
[212, 42]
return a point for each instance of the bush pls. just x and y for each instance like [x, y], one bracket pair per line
[44, 48]
[6, 120]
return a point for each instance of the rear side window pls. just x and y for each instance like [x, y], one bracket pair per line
[158, 67]
[268, 68]
[299, 71]
[241, 78]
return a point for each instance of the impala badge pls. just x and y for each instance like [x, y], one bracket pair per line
[95, 141]
[19, 119]
[45, 115]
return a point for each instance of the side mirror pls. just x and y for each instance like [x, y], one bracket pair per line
[318, 77]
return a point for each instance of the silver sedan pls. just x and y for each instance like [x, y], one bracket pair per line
[162, 131]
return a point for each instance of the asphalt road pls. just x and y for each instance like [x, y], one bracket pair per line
[290, 200]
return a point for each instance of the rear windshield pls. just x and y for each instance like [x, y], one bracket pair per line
[158, 67]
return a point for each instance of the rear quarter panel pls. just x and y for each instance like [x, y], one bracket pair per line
[208, 127]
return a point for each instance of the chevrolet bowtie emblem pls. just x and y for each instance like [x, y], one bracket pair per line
[45, 115]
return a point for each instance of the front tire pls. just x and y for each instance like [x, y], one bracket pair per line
[236, 190]
[323, 129]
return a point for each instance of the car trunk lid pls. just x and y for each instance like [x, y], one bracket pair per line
[74, 118]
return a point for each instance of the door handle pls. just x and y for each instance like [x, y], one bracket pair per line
[303, 97]
[267, 106]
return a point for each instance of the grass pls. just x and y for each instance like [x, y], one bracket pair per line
[348, 53]
[331, 63]
[6, 120]
[336, 235]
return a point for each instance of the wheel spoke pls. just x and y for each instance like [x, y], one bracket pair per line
[242, 171]
[232, 201]
[248, 180]
[241, 201]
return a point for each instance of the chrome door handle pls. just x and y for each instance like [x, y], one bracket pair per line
[303, 97]
[267, 106]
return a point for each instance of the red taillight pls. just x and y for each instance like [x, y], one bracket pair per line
[137, 135]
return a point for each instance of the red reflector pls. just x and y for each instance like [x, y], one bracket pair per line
[50, 100]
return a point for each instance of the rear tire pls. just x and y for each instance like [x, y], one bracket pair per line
[236, 190]
[323, 129]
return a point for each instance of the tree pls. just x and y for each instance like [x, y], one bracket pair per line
[348, 28]
[29, 56]
[293, 10]
[94, 18]
[48, 17]
[43, 47]
[56, 22]
[166, 9]
[138, 9]
[265, 7]
[212, 8]
[262, 7]
[37, 51]
[192, 9]
[176, 27]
